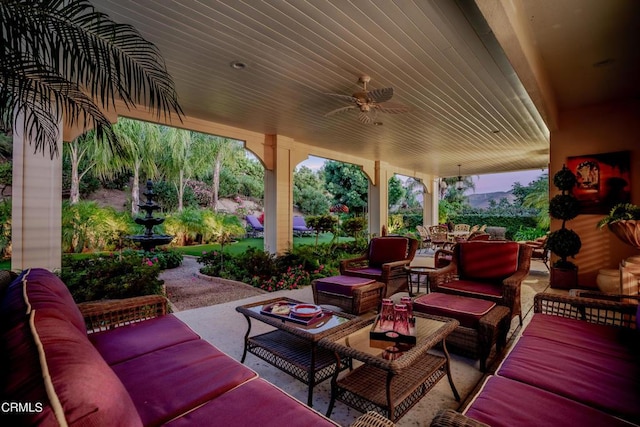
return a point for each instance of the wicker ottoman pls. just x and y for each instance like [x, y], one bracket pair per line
[355, 295]
[482, 323]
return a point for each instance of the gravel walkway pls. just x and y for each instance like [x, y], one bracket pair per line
[187, 288]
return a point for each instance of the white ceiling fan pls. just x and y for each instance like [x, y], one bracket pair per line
[369, 103]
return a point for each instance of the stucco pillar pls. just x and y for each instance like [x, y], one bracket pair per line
[36, 230]
[278, 195]
[378, 199]
[427, 203]
[435, 201]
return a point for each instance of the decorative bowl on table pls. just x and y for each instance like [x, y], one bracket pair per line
[305, 310]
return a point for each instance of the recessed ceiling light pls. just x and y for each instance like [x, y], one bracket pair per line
[377, 123]
[495, 131]
[238, 65]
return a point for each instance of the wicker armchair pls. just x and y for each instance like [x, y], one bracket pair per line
[384, 261]
[539, 250]
[488, 270]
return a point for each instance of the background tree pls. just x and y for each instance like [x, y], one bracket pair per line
[139, 145]
[62, 59]
[308, 191]
[347, 183]
[396, 191]
[538, 198]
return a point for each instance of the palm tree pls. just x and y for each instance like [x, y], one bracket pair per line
[538, 198]
[62, 59]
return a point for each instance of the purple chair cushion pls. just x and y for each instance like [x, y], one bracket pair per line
[609, 340]
[473, 288]
[487, 260]
[595, 379]
[136, 339]
[468, 311]
[176, 379]
[342, 285]
[387, 249]
[255, 403]
[83, 389]
[502, 402]
[36, 289]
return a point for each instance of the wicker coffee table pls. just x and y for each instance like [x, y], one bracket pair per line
[292, 347]
[390, 387]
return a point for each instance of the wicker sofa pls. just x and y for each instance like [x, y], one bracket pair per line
[576, 364]
[124, 363]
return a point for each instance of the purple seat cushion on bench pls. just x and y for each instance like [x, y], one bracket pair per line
[467, 311]
[173, 380]
[481, 289]
[595, 379]
[255, 403]
[342, 285]
[506, 403]
[609, 340]
[136, 339]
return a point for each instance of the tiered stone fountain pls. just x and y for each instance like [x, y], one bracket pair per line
[149, 240]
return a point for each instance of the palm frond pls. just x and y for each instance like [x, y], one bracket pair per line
[77, 62]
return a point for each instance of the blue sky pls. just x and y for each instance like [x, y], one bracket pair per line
[484, 183]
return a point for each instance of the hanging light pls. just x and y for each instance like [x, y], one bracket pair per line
[459, 183]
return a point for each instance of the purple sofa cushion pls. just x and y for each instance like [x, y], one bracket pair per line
[473, 288]
[467, 311]
[506, 403]
[176, 379]
[387, 249]
[487, 260]
[595, 379]
[255, 403]
[609, 340]
[342, 285]
[68, 376]
[36, 289]
[136, 339]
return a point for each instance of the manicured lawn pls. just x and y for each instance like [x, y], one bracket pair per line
[242, 245]
[234, 248]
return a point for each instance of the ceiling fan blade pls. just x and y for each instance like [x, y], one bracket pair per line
[341, 110]
[366, 118]
[392, 108]
[347, 98]
[381, 95]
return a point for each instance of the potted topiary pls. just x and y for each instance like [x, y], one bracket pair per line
[564, 242]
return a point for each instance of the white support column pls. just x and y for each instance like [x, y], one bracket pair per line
[36, 224]
[278, 196]
[427, 203]
[435, 201]
[379, 199]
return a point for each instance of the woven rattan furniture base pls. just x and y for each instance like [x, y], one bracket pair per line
[293, 348]
[390, 387]
[365, 298]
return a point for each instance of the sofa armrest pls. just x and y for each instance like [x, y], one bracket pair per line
[603, 296]
[600, 311]
[109, 314]
[347, 264]
[451, 418]
[443, 275]
[372, 419]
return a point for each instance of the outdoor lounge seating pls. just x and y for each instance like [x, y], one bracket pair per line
[539, 250]
[300, 227]
[355, 295]
[488, 270]
[255, 229]
[576, 364]
[123, 363]
[384, 261]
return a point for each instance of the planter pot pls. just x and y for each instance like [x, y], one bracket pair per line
[564, 278]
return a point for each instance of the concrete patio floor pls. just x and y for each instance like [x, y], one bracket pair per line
[225, 328]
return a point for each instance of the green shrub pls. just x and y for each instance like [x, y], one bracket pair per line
[87, 226]
[5, 228]
[110, 277]
[165, 258]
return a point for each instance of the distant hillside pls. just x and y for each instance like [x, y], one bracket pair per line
[482, 200]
